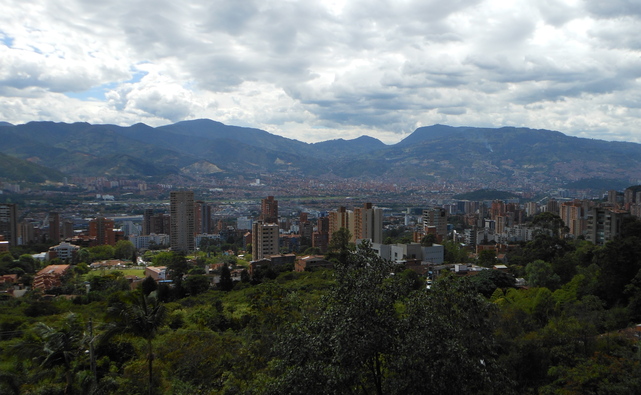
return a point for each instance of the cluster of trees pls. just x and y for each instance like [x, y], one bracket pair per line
[366, 326]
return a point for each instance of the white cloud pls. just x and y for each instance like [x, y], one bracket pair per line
[321, 70]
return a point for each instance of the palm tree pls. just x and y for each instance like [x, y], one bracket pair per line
[141, 317]
[62, 346]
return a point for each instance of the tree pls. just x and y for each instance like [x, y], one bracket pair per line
[61, 346]
[550, 222]
[487, 258]
[226, 283]
[487, 281]
[84, 255]
[374, 334]
[540, 274]
[142, 317]
[196, 284]
[445, 331]
[177, 267]
[124, 249]
[101, 252]
[340, 245]
[428, 240]
[148, 285]
[454, 253]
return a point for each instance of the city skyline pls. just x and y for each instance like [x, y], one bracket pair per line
[329, 69]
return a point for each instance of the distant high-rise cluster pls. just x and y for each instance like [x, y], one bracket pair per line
[363, 222]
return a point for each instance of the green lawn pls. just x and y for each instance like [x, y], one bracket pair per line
[127, 272]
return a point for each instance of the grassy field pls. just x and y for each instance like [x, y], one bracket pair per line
[127, 272]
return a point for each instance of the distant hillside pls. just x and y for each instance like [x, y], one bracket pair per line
[604, 184]
[485, 194]
[342, 148]
[17, 170]
[496, 158]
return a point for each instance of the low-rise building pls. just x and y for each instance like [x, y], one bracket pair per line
[51, 276]
[158, 273]
[312, 262]
[63, 251]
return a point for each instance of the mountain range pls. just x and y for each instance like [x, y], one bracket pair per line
[38, 151]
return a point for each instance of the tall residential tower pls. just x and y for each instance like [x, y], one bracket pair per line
[182, 224]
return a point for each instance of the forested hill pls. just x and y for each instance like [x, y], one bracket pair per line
[439, 152]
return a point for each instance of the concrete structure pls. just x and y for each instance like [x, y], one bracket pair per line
[202, 217]
[103, 230]
[269, 210]
[573, 215]
[341, 218]
[142, 242]
[273, 261]
[436, 217]
[433, 255]
[368, 223]
[63, 251]
[54, 227]
[604, 224]
[320, 237]
[49, 277]
[158, 273]
[311, 262]
[264, 239]
[244, 223]
[182, 226]
[146, 221]
[9, 223]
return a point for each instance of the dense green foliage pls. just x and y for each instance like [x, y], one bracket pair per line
[364, 327]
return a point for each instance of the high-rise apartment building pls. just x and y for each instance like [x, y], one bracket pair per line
[552, 206]
[320, 238]
[269, 210]
[264, 240]
[202, 215]
[182, 224]
[67, 229]
[341, 218]
[574, 216]
[531, 209]
[613, 197]
[103, 230]
[368, 223]
[146, 221]
[437, 218]
[9, 223]
[54, 227]
[604, 224]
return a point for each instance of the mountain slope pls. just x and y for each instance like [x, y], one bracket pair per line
[340, 148]
[13, 169]
[490, 157]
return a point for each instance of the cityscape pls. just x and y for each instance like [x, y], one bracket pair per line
[334, 197]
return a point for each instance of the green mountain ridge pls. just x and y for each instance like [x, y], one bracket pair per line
[482, 155]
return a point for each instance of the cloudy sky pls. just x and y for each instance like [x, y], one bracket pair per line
[317, 70]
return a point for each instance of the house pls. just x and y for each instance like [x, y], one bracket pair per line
[158, 273]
